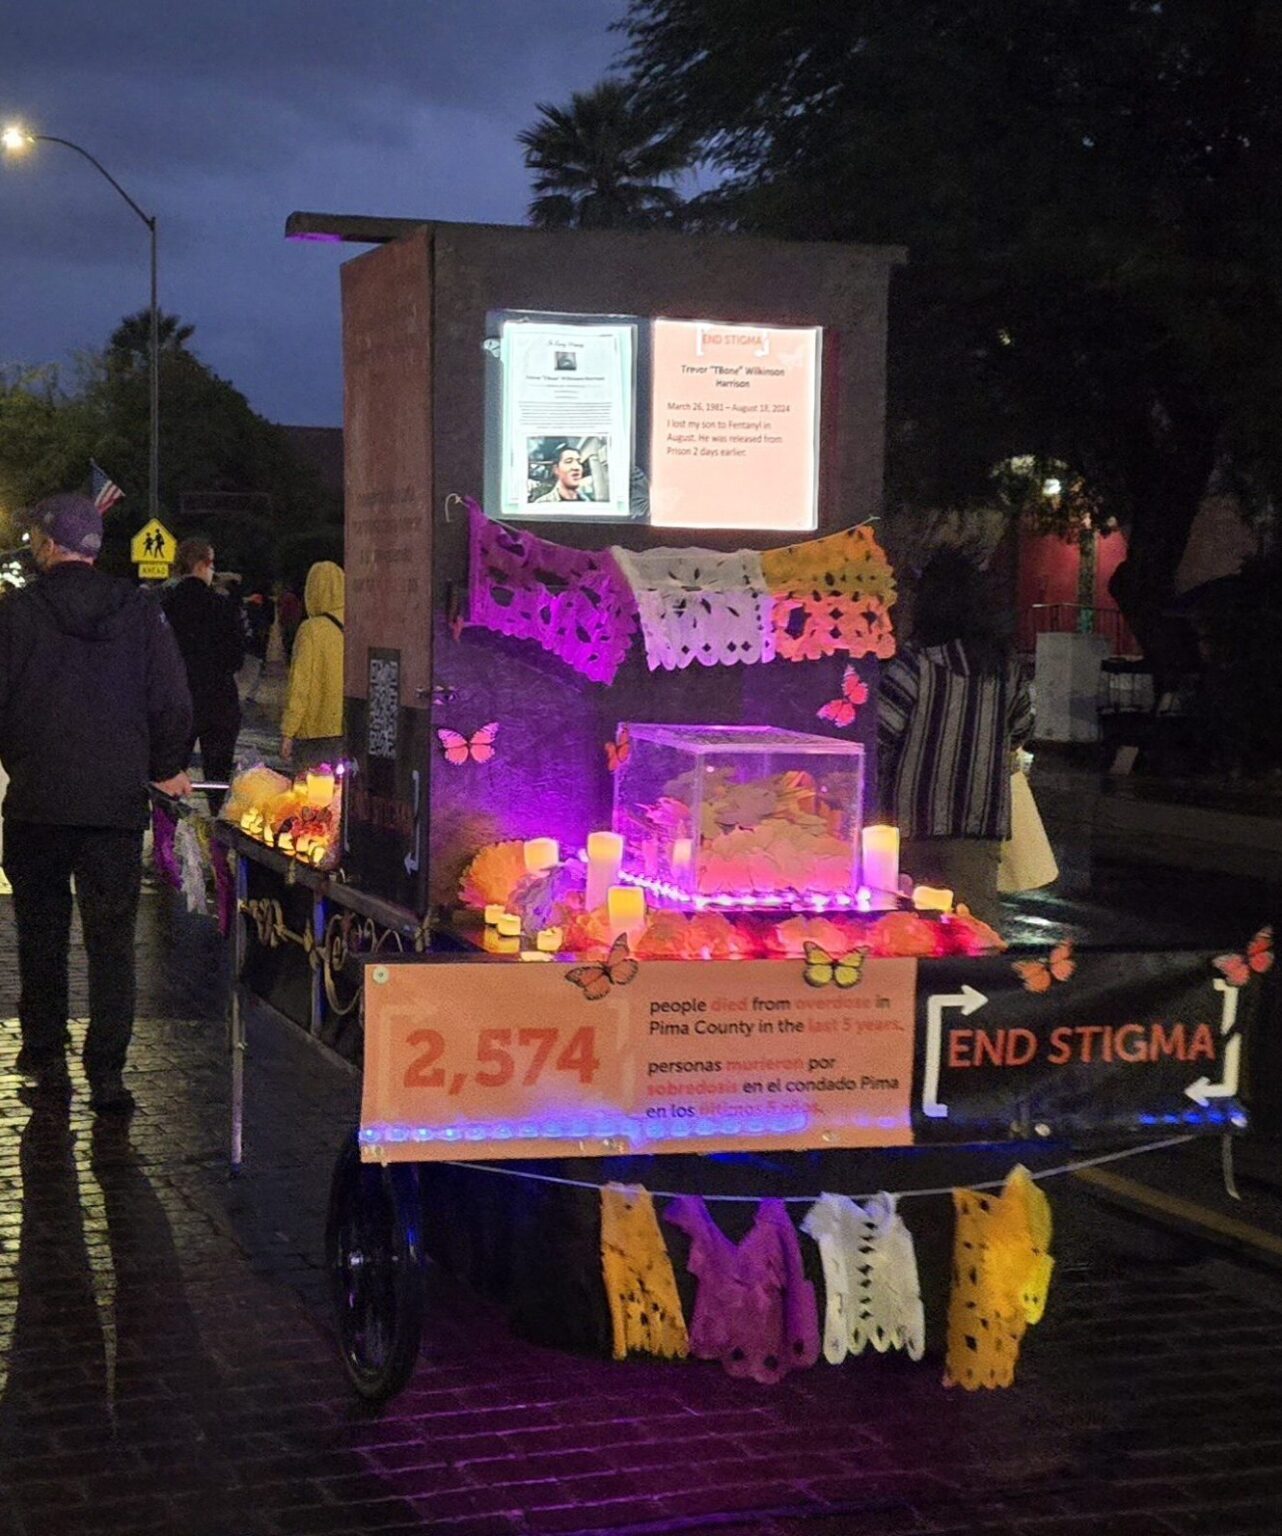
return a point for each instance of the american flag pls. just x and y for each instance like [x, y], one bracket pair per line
[106, 493]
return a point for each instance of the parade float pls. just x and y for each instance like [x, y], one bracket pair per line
[596, 901]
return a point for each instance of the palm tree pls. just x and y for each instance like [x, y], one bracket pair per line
[130, 342]
[601, 163]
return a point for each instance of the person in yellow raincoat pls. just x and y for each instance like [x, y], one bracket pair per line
[312, 724]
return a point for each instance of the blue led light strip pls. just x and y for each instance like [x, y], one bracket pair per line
[793, 901]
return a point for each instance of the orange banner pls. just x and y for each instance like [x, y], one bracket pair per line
[734, 439]
[467, 1060]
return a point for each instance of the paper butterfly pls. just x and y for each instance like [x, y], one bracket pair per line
[822, 970]
[1037, 975]
[1238, 969]
[854, 692]
[617, 970]
[617, 753]
[479, 747]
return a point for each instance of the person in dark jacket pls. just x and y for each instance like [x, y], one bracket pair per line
[93, 706]
[207, 628]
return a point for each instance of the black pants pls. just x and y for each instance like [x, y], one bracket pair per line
[40, 860]
[217, 738]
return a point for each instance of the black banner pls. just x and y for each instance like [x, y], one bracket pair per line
[1080, 1048]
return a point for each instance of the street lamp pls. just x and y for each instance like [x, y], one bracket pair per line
[14, 140]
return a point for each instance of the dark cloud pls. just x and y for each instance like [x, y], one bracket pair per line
[222, 119]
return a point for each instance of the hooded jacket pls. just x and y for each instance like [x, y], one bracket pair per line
[314, 701]
[93, 700]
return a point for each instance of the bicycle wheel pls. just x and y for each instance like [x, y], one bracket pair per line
[374, 1254]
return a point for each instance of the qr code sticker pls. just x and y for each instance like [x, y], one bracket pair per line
[384, 703]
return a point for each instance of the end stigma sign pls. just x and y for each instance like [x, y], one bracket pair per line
[1129, 1042]
[505, 1060]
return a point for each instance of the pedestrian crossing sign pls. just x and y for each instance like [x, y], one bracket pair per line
[153, 544]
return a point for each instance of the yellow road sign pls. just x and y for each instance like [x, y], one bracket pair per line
[153, 542]
[153, 570]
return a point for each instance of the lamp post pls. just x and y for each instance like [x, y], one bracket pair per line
[14, 139]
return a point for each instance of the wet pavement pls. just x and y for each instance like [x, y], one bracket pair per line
[167, 1365]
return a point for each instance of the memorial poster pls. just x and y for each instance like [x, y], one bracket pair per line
[735, 426]
[567, 419]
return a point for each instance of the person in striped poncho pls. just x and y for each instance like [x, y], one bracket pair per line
[953, 708]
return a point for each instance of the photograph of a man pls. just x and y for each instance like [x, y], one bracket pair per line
[567, 475]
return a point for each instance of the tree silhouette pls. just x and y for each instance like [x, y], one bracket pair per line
[602, 163]
[130, 342]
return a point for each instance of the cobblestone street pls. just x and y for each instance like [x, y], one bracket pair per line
[166, 1363]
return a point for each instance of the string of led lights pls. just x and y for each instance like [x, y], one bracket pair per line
[1078, 1165]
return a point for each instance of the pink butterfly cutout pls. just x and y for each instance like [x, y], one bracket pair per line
[479, 747]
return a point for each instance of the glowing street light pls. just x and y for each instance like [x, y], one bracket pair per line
[15, 139]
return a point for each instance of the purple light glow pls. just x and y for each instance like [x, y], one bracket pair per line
[670, 895]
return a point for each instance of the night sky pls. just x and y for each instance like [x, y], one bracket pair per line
[222, 119]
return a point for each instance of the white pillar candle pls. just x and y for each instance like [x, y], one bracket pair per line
[605, 854]
[541, 853]
[625, 906]
[880, 871]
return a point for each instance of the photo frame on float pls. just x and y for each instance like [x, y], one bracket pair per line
[565, 416]
[692, 424]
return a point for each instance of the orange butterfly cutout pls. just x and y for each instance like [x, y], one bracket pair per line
[478, 748]
[617, 752]
[616, 970]
[1037, 975]
[1238, 969]
[854, 692]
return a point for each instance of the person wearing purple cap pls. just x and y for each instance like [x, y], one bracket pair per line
[93, 706]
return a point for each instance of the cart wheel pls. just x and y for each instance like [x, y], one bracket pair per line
[374, 1253]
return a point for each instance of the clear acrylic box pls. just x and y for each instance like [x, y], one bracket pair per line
[740, 815]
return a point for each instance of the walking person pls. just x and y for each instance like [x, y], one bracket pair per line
[291, 613]
[312, 725]
[952, 709]
[207, 626]
[93, 705]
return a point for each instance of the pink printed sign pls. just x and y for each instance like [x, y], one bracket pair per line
[493, 1060]
[735, 427]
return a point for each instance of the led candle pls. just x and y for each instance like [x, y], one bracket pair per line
[549, 939]
[625, 905]
[318, 789]
[932, 898]
[880, 870]
[541, 853]
[682, 858]
[509, 925]
[605, 854]
[534, 954]
[504, 946]
[493, 912]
